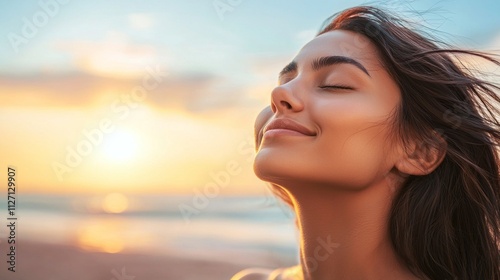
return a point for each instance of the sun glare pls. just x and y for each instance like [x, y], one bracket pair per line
[101, 237]
[120, 146]
[115, 203]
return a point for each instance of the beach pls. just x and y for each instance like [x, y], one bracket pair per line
[42, 261]
[66, 237]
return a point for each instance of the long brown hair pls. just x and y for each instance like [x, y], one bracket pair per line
[444, 225]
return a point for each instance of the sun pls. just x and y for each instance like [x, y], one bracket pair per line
[115, 203]
[120, 146]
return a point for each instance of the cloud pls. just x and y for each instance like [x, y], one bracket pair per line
[49, 90]
[113, 57]
[201, 93]
[140, 21]
[112, 67]
[187, 92]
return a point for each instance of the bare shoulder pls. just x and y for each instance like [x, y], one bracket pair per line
[253, 274]
[290, 273]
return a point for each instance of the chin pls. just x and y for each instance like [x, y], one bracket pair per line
[263, 167]
[271, 169]
[279, 170]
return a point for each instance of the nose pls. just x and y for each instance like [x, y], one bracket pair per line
[284, 100]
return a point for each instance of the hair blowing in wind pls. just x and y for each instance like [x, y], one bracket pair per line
[444, 225]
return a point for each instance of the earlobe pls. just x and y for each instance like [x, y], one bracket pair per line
[422, 158]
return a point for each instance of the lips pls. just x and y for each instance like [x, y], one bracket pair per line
[290, 125]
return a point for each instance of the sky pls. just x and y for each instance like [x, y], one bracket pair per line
[160, 96]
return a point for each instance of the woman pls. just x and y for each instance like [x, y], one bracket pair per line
[384, 143]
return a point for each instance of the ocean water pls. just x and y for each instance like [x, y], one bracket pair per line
[222, 227]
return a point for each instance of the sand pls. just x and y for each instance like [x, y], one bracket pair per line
[41, 261]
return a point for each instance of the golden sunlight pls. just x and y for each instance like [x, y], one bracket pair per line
[115, 203]
[101, 237]
[120, 146]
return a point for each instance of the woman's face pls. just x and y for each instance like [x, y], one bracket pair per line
[331, 117]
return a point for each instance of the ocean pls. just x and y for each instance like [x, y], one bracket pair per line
[221, 228]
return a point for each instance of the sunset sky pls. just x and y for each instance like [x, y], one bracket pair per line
[160, 96]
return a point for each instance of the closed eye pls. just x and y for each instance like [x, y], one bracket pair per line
[337, 87]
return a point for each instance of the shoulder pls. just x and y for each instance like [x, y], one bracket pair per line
[268, 274]
[253, 274]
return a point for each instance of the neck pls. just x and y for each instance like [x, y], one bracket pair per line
[344, 234]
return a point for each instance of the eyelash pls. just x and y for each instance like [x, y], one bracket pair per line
[338, 86]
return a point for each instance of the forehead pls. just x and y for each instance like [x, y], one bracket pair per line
[341, 43]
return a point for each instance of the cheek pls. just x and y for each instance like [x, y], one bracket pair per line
[355, 160]
[354, 148]
[345, 156]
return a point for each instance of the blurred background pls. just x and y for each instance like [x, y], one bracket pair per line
[129, 125]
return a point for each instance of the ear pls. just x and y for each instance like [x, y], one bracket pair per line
[422, 158]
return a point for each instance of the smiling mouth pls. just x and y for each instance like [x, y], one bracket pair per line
[287, 127]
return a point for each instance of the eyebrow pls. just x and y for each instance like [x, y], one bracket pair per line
[331, 60]
[291, 67]
[325, 61]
